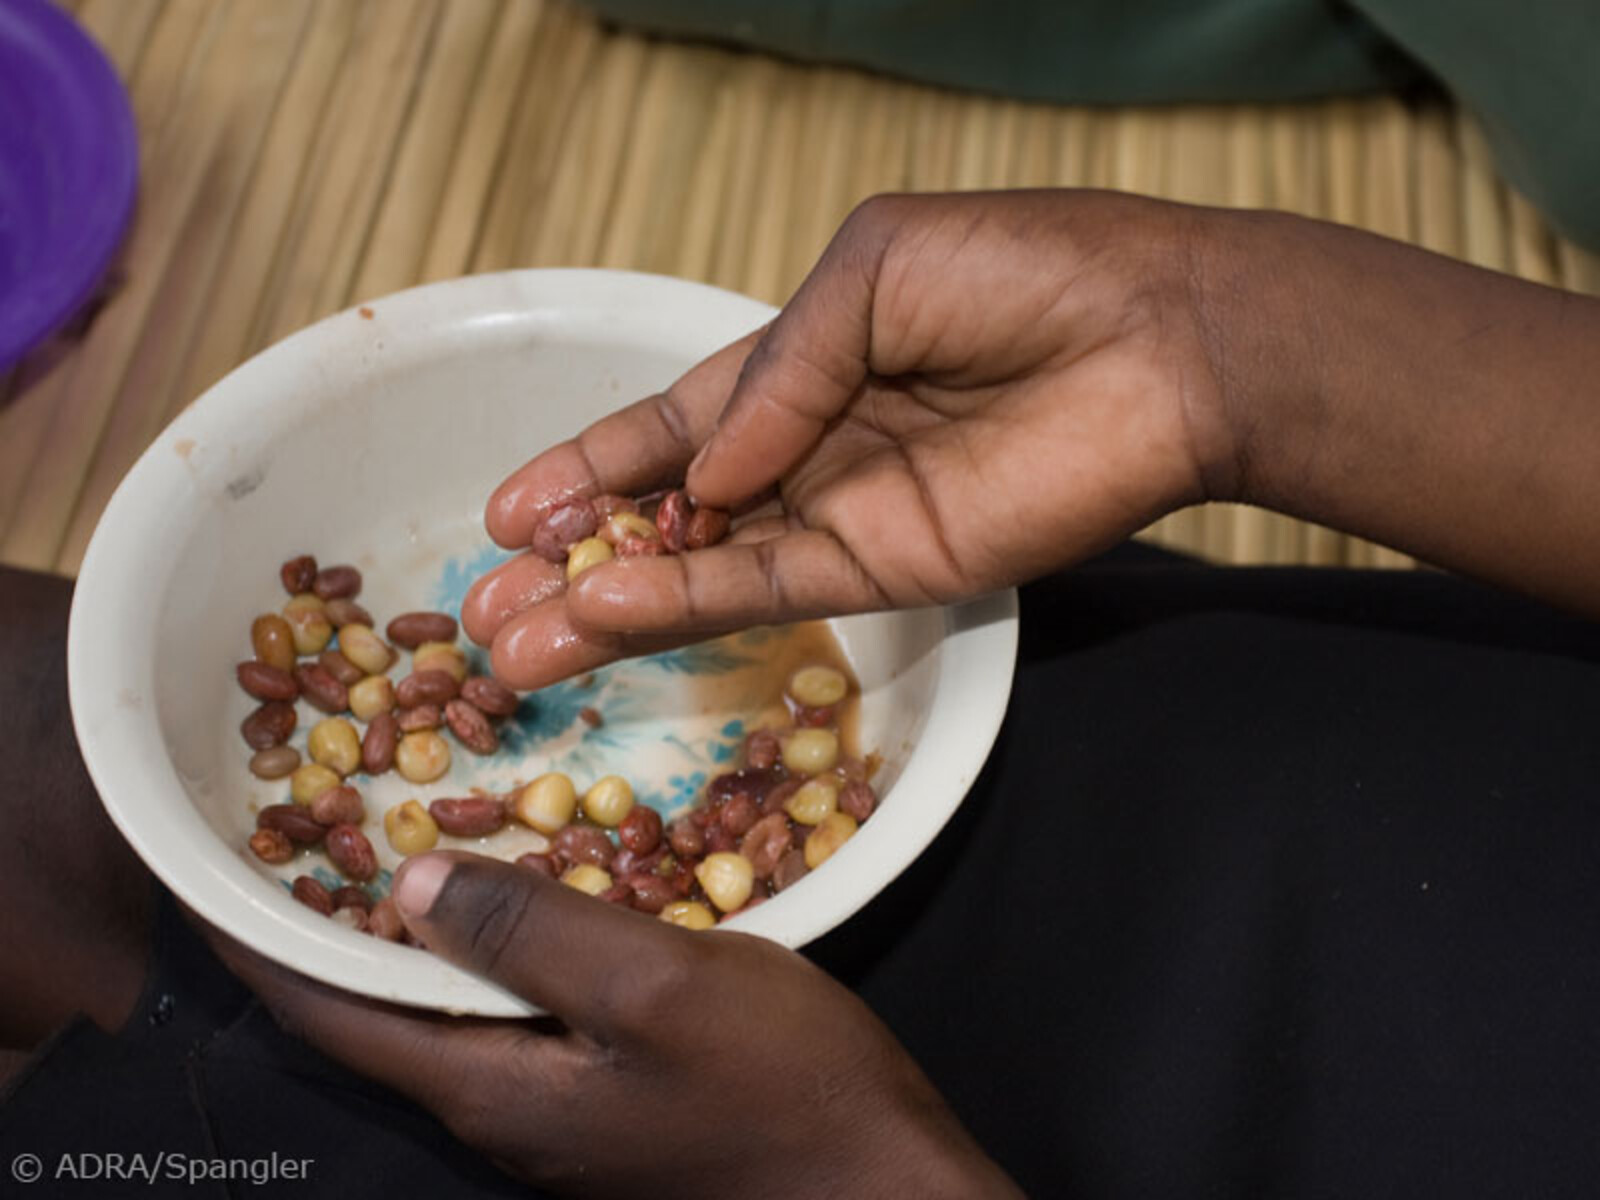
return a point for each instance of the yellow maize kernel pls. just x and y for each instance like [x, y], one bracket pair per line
[810, 751]
[310, 780]
[333, 742]
[587, 878]
[547, 804]
[814, 800]
[833, 831]
[590, 552]
[371, 696]
[818, 687]
[727, 878]
[691, 914]
[410, 828]
[422, 757]
[366, 649]
[608, 801]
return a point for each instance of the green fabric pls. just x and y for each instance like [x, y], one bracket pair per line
[1528, 69]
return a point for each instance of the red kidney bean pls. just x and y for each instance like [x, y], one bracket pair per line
[719, 840]
[629, 862]
[651, 893]
[591, 717]
[682, 878]
[266, 682]
[738, 814]
[318, 685]
[640, 830]
[298, 574]
[413, 628]
[337, 583]
[707, 527]
[765, 843]
[471, 816]
[775, 799]
[351, 852]
[423, 716]
[618, 893]
[762, 749]
[686, 838]
[851, 769]
[813, 718]
[384, 921]
[672, 519]
[857, 799]
[790, 870]
[749, 781]
[583, 844]
[270, 725]
[379, 742]
[634, 546]
[542, 863]
[340, 667]
[342, 611]
[471, 727]
[310, 892]
[426, 687]
[563, 526]
[490, 695]
[338, 806]
[270, 846]
[294, 821]
[350, 896]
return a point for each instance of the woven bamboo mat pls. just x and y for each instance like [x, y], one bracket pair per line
[300, 156]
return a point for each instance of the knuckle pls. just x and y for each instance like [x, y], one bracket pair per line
[499, 905]
[638, 992]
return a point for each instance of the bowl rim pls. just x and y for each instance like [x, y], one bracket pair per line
[122, 743]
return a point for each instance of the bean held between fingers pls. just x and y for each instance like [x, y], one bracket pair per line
[426, 687]
[472, 816]
[471, 727]
[266, 682]
[413, 629]
[672, 520]
[563, 527]
[707, 527]
[490, 695]
[379, 742]
[270, 725]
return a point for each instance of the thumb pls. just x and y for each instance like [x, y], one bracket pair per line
[804, 370]
[597, 966]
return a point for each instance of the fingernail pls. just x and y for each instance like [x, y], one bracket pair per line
[418, 884]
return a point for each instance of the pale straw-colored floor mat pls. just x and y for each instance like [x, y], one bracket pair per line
[302, 155]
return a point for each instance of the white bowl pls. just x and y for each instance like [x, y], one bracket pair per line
[374, 437]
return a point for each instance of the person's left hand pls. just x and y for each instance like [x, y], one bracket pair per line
[682, 1064]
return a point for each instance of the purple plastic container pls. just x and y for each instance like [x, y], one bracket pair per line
[69, 171]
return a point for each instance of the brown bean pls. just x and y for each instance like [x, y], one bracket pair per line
[471, 727]
[707, 527]
[298, 574]
[423, 716]
[266, 682]
[270, 846]
[542, 863]
[294, 821]
[270, 725]
[310, 892]
[672, 519]
[384, 921]
[471, 816]
[350, 851]
[337, 583]
[342, 610]
[578, 843]
[318, 685]
[618, 893]
[750, 781]
[628, 862]
[686, 838]
[591, 717]
[273, 641]
[739, 814]
[720, 840]
[640, 830]
[651, 893]
[634, 546]
[378, 743]
[563, 526]
[813, 718]
[490, 695]
[413, 628]
[766, 842]
[775, 799]
[350, 896]
[274, 762]
[761, 750]
[340, 667]
[338, 806]
[426, 687]
[857, 799]
[790, 870]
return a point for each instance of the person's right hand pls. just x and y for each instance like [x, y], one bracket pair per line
[968, 391]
